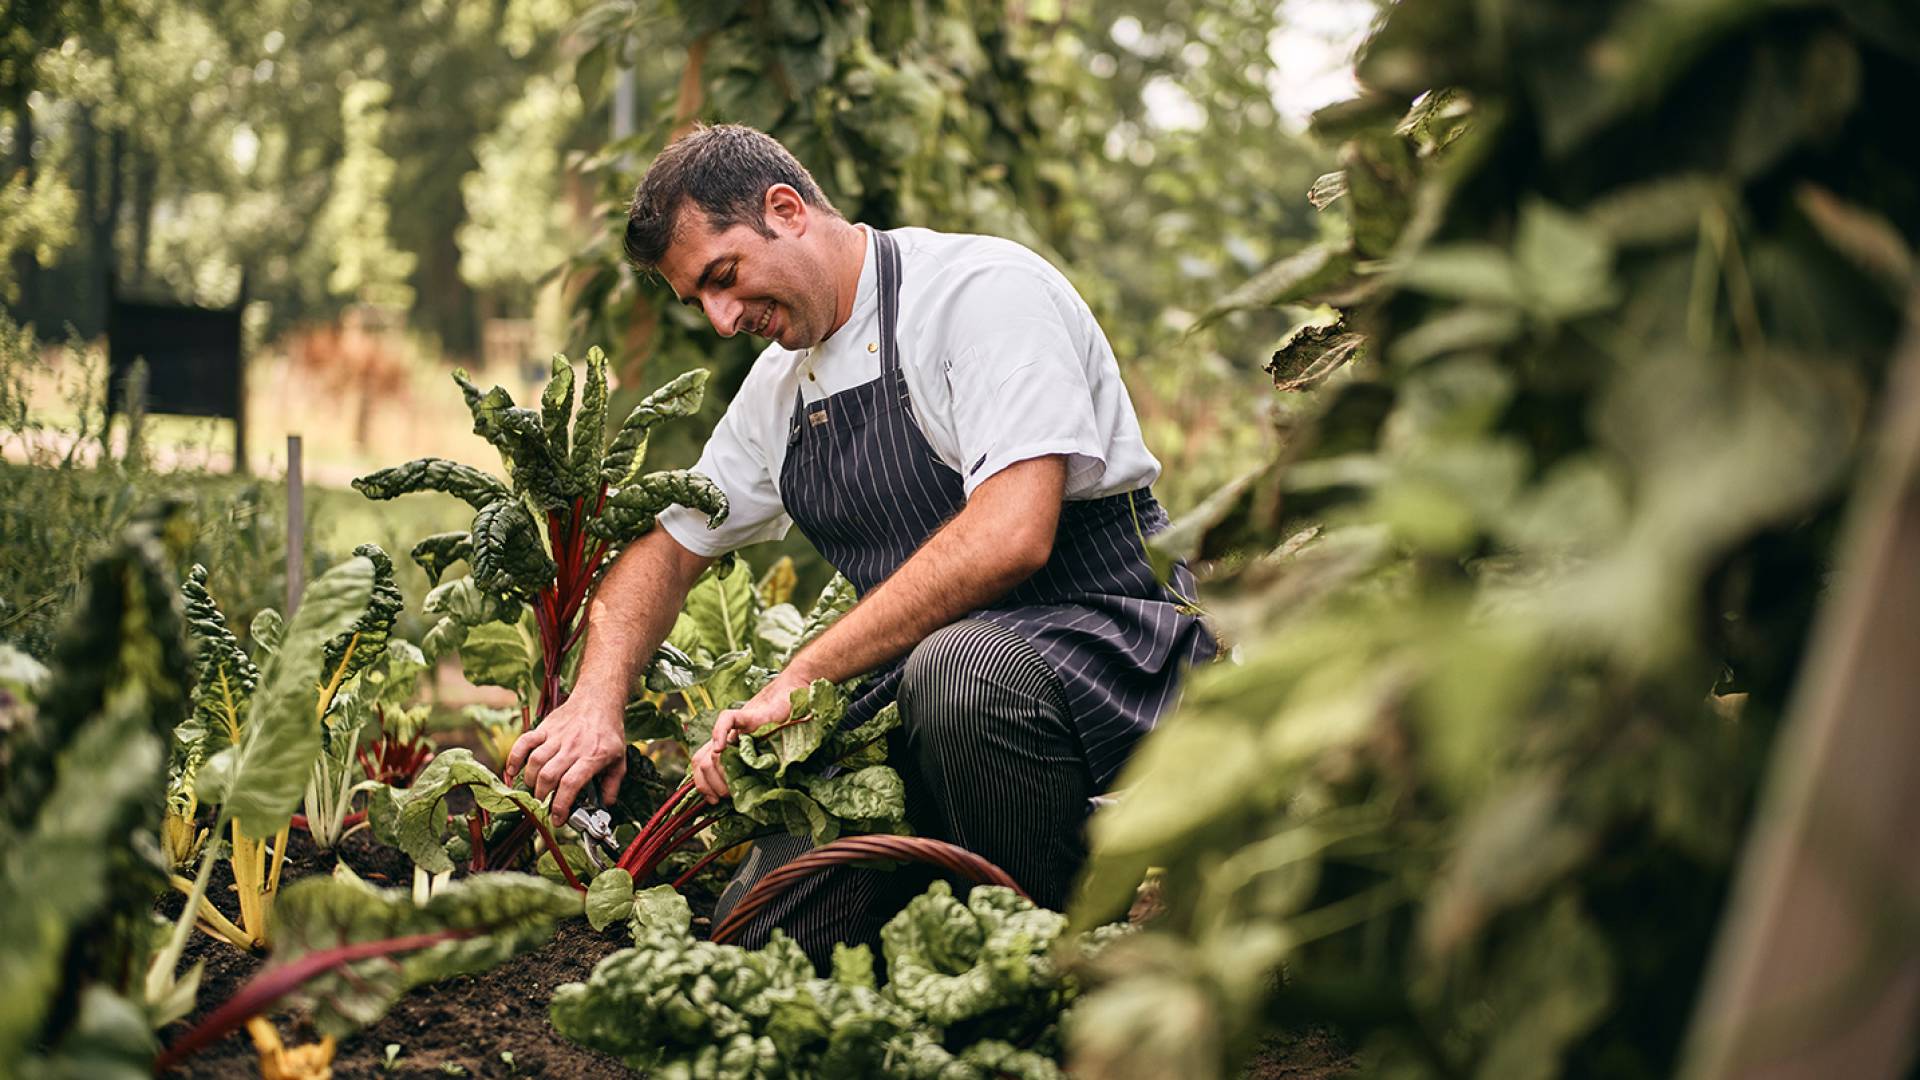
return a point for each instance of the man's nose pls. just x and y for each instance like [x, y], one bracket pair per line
[723, 312]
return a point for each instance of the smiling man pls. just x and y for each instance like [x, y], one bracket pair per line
[942, 417]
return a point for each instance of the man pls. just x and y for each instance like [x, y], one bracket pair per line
[944, 419]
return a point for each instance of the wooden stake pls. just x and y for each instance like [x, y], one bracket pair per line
[296, 527]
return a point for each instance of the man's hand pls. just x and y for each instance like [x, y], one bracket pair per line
[772, 705]
[584, 737]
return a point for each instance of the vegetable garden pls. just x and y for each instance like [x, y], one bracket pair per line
[1602, 348]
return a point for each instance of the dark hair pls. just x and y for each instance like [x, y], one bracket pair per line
[726, 170]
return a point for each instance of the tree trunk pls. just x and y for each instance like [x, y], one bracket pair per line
[24, 264]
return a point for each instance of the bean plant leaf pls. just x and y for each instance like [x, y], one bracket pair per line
[509, 558]
[627, 451]
[260, 780]
[467, 926]
[438, 552]
[463, 482]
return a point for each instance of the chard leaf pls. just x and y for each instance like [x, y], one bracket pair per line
[261, 780]
[463, 482]
[631, 510]
[482, 920]
[609, 898]
[224, 679]
[266, 630]
[497, 654]
[590, 423]
[440, 551]
[463, 601]
[556, 407]
[660, 910]
[443, 637]
[644, 721]
[719, 616]
[509, 558]
[521, 437]
[777, 584]
[420, 811]
[952, 962]
[835, 600]
[349, 652]
[628, 450]
[396, 677]
[776, 633]
[873, 794]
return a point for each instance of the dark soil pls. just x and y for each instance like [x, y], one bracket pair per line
[464, 1026]
[458, 1027]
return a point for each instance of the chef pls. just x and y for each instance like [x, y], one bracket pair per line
[941, 416]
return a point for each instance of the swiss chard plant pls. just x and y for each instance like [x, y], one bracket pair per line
[973, 990]
[573, 497]
[262, 726]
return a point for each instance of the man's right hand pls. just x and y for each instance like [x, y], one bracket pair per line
[583, 738]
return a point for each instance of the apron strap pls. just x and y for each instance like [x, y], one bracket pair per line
[889, 281]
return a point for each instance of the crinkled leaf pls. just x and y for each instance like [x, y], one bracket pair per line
[509, 558]
[420, 810]
[951, 962]
[627, 451]
[660, 910]
[873, 795]
[556, 407]
[521, 437]
[776, 634]
[224, 679]
[590, 423]
[261, 780]
[463, 601]
[631, 510]
[644, 721]
[463, 482]
[349, 652]
[440, 551]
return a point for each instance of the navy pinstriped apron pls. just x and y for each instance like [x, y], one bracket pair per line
[862, 483]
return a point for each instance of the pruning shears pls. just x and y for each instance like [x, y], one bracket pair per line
[595, 826]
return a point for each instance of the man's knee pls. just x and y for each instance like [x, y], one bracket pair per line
[959, 669]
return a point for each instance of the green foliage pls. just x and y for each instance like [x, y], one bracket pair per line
[419, 825]
[78, 837]
[1618, 350]
[966, 983]
[484, 921]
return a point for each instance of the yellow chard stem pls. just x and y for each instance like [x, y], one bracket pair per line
[213, 922]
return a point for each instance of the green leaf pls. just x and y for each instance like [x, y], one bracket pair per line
[521, 437]
[951, 963]
[719, 616]
[463, 482]
[1564, 265]
[463, 601]
[1464, 271]
[509, 557]
[631, 510]
[628, 450]
[497, 654]
[267, 630]
[420, 818]
[872, 794]
[590, 423]
[1303, 275]
[659, 911]
[489, 918]
[438, 552]
[261, 780]
[609, 898]
[361, 644]
[556, 407]
[224, 679]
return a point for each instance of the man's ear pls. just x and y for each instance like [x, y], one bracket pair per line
[786, 211]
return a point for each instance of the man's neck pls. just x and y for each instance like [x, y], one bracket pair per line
[849, 259]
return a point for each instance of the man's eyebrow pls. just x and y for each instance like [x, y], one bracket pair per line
[707, 274]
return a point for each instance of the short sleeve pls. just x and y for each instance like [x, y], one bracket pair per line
[1018, 378]
[735, 459]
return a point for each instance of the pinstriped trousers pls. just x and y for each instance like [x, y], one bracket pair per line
[991, 762]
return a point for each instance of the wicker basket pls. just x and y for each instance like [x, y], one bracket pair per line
[949, 857]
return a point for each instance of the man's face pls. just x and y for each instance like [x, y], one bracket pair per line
[769, 286]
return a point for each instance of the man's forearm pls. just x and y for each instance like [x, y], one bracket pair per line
[999, 540]
[633, 610]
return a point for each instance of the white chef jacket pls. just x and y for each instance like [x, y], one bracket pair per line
[1004, 362]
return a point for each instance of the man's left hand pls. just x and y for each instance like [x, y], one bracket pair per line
[771, 705]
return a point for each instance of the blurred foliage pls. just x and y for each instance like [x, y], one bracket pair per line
[1028, 121]
[1518, 612]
